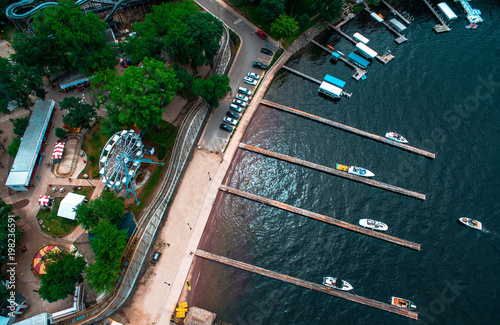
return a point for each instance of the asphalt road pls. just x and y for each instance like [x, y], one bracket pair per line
[213, 137]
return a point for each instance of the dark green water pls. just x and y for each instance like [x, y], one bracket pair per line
[442, 92]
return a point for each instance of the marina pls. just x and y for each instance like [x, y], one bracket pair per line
[320, 217]
[334, 171]
[350, 129]
[438, 28]
[406, 21]
[306, 284]
[400, 37]
[473, 15]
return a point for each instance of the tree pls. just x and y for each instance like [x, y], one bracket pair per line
[304, 22]
[61, 133]
[284, 26]
[9, 233]
[20, 125]
[141, 93]
[185, 78]
[14, 146]
[107, 207]
[212, 89]
[63, 271]
[79, 114]
[79, 38]
[17, 83]
[206, 32]
[269, 10]
[109, 246]
[328, 9]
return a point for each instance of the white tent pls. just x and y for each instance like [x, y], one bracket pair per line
[68, 205]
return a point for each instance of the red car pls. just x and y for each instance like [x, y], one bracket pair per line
[261, 34]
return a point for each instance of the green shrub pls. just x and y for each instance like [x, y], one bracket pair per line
[61, 133]
[92, 158]
[95, 174]
[162, 151]
[14, 147]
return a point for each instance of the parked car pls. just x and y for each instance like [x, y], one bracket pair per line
[156, 257]
[244, 91]
[239, 103]
[236, 108]
[242, 97]
[230, 120]
[226, 127]
[261, 34]
[232, 115]
[267, 51]
[250, 81]
[253, 75]
[260, 65]
[125, 62]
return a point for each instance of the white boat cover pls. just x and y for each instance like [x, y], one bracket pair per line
[366, 51]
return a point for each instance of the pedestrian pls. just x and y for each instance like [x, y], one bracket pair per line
[191, 253]
[168, 245]
[38, 177]
[69, 179]
[32, 185]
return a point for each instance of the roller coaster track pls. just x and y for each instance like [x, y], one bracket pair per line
[153, 213]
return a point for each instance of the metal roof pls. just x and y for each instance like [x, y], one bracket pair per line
[30, 144]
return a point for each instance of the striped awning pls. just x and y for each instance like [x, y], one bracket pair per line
[58, 150]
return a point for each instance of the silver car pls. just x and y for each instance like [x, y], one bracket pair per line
[244, 91]
[250, 81]
[242, 97]
[229, 120]
[253, 75]
[240, 103]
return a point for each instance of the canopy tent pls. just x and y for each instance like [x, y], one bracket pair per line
[43, 200]
[68, 205]
[58, 150]
[40, 259]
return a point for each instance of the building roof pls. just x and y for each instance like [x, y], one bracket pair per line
[30, 144]
[41, 319]
[198, 316]
[68, 205]
[71, 79]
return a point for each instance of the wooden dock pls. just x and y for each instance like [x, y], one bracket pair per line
[333, 171]
[438, 28]
[407, 22]
[358, 72]
[306, 284]
[338, 30]
[350, 129]
[322, 218]
[303, 75]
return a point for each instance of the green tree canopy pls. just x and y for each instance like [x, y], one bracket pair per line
[212, 89]
[205, 31]
[79, 37]
[328, 9]
[60, 133]
[109, 246]
[141, 93]
[8, 230]
[304, 22]
[63, 271]
[106, 207]
[284, 26]
[14, 146]
[17, 83]
[79, 114]
[269, 10]
[20, 125]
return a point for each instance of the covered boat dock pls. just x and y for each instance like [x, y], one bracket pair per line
[358, 60]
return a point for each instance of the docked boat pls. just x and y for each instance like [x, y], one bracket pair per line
[360, 171]
[403, 303]
[474, 224]
[471, 26]
[373, 224]
[396, 137]
[335, 283]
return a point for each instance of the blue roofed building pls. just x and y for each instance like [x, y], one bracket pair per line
[27, 156]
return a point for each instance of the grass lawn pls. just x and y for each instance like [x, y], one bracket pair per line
[92, 145]
[59, 227]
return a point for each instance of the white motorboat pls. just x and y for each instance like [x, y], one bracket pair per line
[373, 224]
[403, 303]
[396, 137]
[474, 224]
[360, 171]
[335, 283]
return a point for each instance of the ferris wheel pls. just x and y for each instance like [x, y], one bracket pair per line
[120, 159]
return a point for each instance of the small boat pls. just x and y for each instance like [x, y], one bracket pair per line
[335, 283]
[471, 26]
[360, 171]
[396, 137]
[474, 224]
[373, 224]
[403, 303]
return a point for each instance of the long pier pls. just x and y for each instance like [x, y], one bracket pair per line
[338, 30]
[350, 129]
[438, 28]
[306, 284]
[358, 72]
[400, 38]
[322, 218]
[397, 13]
[333, 171]
[303, 75]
